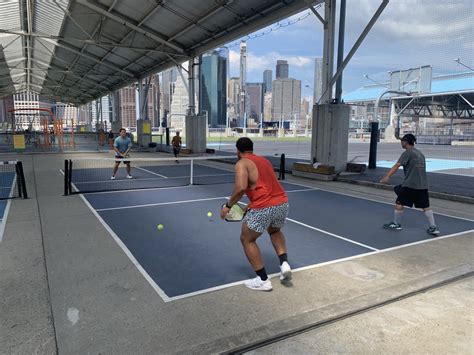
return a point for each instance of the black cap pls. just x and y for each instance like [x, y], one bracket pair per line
[409, 138]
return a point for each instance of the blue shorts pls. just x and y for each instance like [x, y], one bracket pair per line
[260, 219]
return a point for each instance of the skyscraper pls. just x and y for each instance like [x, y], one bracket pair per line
[167, 89]
[233, 94]
[255, 100]
[282, 69]
[214, 87]
[286, 99]
[318, 80]
[267, 107]
[267, 81]
[243, 79]
[179, 102]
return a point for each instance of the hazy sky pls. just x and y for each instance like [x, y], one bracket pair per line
[410, 33]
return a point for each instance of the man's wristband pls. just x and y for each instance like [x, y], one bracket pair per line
[227, 205]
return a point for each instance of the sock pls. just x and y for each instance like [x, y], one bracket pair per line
[262, 273]
[429, 215]
[283, 257]
[397, 216]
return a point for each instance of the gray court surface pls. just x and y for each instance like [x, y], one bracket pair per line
[195, 253]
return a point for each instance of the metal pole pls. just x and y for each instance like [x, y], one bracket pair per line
[192, 105]
[340, 53]
[351, 53]
[374, 132]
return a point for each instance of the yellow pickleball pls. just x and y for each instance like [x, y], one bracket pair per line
[209, 214]
[160, 227]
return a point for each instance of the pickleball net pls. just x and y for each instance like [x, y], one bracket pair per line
[86, 175]
[12, 180]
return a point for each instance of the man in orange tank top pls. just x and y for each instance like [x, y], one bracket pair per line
[266, 212]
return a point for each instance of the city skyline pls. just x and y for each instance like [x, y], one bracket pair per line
[401, 39]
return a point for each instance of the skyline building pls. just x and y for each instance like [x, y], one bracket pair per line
[267, 80]
[168, 83]
[213, 83]
[233, 97]
[255, 100]
[282, 69]
[286, 99]
[267, 107]
[179, 102]
[243, 111]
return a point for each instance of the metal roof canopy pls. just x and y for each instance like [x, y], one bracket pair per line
[451, 105]
[76, 51]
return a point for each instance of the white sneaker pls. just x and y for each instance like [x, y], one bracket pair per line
[129, 177]
[285, 272]
[259, 285]
[112, 178]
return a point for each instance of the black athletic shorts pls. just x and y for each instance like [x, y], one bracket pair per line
[121, 161]
[409, 197]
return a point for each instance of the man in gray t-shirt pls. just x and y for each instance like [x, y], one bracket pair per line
[414, 189]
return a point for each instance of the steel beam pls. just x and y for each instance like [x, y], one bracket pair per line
[129, 23]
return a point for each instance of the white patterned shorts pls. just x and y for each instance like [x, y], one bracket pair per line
[260, 219]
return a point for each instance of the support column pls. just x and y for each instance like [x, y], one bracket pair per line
[143, 122]
[328, 50]
[390, 130]
[116, 123]
[329, 142]
[195, 124]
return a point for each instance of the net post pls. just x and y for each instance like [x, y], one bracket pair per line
[191, 172]
[69, 182]
[66, 177]
[21, 178]
[18, 180]
[282, 167]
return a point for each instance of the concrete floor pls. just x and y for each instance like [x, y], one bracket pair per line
[66, 287]
[440, 321]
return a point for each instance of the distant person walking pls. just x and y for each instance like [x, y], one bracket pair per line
[176, 143]
[414, 189]
[111, 139]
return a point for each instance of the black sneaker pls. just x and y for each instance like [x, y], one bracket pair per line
[433, 230]
[393, 226]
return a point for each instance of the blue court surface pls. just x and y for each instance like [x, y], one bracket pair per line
[194, 254]
[433, 165]
[6, 190]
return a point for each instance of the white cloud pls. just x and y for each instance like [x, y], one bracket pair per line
[258, 63]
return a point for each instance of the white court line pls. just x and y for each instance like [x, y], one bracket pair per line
[151, 172]
[147, 179]
[127, 252]
[325, 232]
[186, 295]
[3, 221]
[331, 234]
[373, 200]
[176, 202]
[167, 299]
[161, 204]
